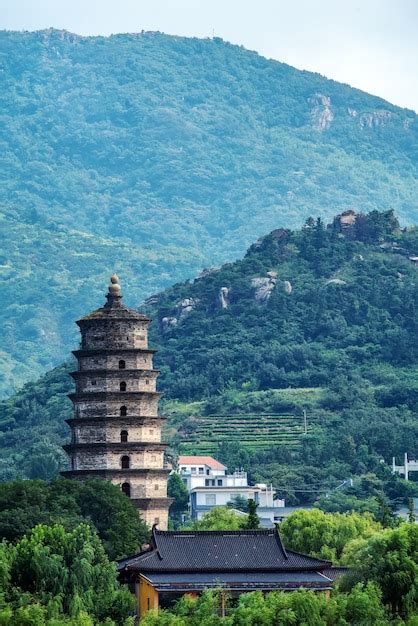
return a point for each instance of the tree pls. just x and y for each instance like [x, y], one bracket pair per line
[325, 535]
[63, 573]
[220, 518]
[390, 559]
[238, 502]
[177, 489]
[252, 522]
[26, 503]
[363, 605]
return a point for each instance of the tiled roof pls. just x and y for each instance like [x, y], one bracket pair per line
[335, 572]
[114, 312]
[220, 551]
[201, 460]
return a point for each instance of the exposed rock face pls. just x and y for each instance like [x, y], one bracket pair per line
[264, 286]
[344, 223]
[152, 300]
[223, 298]
[375, 119]
[321, 112]
[275, 235]
[186, 306]
[352, 112]
[336, 281]
[168, 323]
[287, 287]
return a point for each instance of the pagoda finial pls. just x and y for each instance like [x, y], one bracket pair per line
[114, 295]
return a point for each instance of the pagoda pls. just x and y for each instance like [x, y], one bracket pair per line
[116, 429]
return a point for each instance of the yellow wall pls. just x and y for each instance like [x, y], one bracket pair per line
[148, 597]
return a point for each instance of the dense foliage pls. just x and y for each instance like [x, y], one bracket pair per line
[341, 345]
[25, 504]
[52, 576]
[325, 535]
[362, 606]
[156, 155]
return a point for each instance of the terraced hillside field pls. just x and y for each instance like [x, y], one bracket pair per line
[201, 435]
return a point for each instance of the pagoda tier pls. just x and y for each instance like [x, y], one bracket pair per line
[116, 429]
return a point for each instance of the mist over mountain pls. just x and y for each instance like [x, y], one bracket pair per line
[155, 156]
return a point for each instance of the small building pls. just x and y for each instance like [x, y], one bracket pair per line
[211, 486]
[236, 561]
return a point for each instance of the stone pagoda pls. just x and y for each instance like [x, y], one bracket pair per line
[116, 429]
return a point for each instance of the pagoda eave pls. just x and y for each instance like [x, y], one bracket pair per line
[114, 373]
[108, 473]
[116, 446]
[120, 396]
[106, 351]
[150, 503]
[116, 419]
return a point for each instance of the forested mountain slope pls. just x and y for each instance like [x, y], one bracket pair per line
[154, 155]
[313, 318]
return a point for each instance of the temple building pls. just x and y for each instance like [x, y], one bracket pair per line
[237, 561]
[116, 429]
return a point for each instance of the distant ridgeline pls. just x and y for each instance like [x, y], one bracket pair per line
[153, 155]
[322, 319]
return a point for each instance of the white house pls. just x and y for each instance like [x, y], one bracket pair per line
[210, 485]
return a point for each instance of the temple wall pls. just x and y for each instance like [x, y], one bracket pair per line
[145, 406]
[115, 333]
[111, 361]
[135, 381]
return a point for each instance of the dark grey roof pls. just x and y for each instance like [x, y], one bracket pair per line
[238, 580]
[219, 551]
[335, 572]
[114, 313]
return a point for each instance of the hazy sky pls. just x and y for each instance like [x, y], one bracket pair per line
[370, 44]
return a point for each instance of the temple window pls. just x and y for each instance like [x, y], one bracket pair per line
[123, 410]
[125, 462]
[122, 364]
[124, 436]
[122, 386]
[126, 489]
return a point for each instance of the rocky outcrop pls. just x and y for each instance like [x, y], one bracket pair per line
[264, 286]
[321, 113]
[352, 112]
[335, 281]
[186, 306]
[344, 222]
[375, 119]
[152, 300]
[167, 323]
[223, 298]
[287, 287]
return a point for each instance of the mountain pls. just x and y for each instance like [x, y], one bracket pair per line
[317, 319]
[155, 155]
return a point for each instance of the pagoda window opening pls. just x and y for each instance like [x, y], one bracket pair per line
[125, 462]
[122, 386]
[122, 364]
[123, 411]
[124, 436]
[126, 489]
